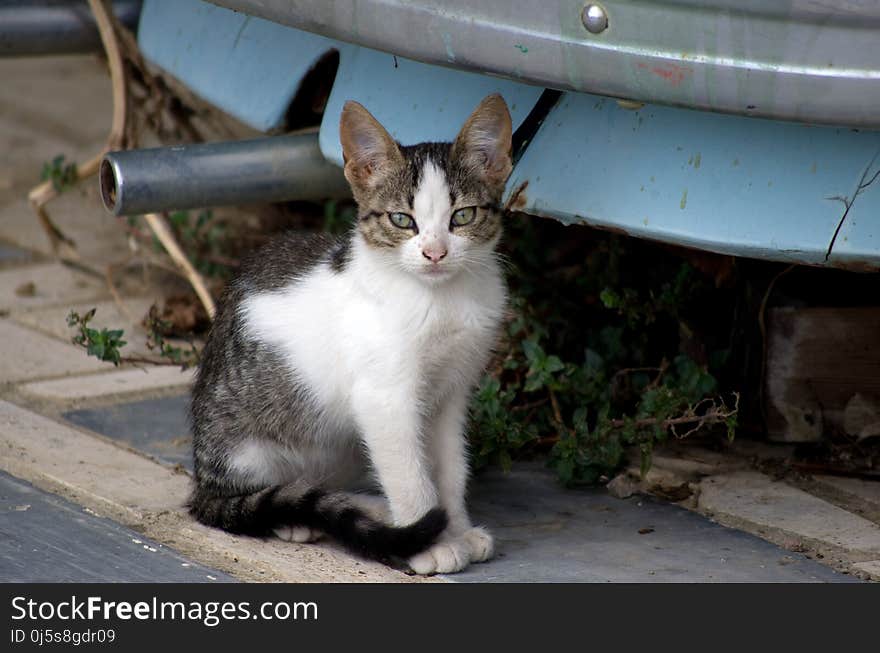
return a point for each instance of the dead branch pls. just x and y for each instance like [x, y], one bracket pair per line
[714, 415]
[45, 192]
[120, 47]
[165, 236]
[557, 414]
[762, 327]
[718, 413]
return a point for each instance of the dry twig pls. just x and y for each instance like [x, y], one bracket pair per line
[714, 415]
[120, 47]
[160, 227]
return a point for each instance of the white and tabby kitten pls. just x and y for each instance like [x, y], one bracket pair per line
[333, 361]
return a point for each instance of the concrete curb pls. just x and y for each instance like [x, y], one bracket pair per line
[148, 497]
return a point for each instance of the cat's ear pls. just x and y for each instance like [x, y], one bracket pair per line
[484, 142]
[368, 151]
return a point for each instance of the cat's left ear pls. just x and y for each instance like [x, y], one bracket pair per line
[484, 142]
[368, 151]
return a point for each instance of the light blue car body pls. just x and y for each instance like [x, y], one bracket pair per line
[731, 184]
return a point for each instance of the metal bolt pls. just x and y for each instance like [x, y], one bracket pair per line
[594, 18]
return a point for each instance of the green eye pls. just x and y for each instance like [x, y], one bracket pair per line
[463, 216]
[402, 220]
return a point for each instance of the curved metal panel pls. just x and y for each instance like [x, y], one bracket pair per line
[757, 188]
[415, 101]
[249, 67]
[801, 60]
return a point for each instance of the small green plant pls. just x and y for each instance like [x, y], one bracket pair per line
[204, 239]
[62, 175]
[596, 359]
[103, 345]
[157, 328]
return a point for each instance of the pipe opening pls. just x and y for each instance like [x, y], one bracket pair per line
[107, 181]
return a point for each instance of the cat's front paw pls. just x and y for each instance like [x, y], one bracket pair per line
[454, 553]
[480, 542]
[442, 558]
[300, 534]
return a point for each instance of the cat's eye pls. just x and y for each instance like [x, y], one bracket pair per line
[402, 220]
[463, 216]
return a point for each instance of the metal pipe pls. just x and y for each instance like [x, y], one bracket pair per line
[45, 27]
[272, 169]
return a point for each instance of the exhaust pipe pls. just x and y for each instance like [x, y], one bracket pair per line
[259, 171]
[45, 27]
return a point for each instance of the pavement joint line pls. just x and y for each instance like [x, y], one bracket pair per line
[115, 382]
[147, 496]
[27, 355]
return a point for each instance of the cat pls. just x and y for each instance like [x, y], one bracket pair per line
[334, 363]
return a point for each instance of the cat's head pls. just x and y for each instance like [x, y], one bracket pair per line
[433, 208]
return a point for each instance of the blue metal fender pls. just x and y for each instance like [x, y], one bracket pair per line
[252, 69]
[735, 185]
[249, 67]
[417, 102]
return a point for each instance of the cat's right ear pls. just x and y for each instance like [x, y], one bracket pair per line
[368, 151]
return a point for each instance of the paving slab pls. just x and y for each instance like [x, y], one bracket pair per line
[155, 426]
[38, 96]
[27, 355]
[549, 534]
[126, 381]
[545, 533]
[45, 539]
[751, 497]
[46, 284]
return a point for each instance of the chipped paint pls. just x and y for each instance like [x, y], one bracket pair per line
[630, 105]
[684, 200]
[673, 73]
[856, 266]
[447, 42]
[518, 199]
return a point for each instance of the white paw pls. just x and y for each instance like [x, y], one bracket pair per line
[442, 558]
[454, 553]
[480, 542]
[297, 534]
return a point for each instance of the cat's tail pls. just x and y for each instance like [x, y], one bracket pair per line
[334, 513]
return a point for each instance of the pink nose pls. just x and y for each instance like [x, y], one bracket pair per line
[434, 255]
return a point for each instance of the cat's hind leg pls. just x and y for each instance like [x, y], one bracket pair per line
[301, 534]
[374, 506]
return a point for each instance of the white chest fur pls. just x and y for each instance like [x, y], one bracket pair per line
[371, 324]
